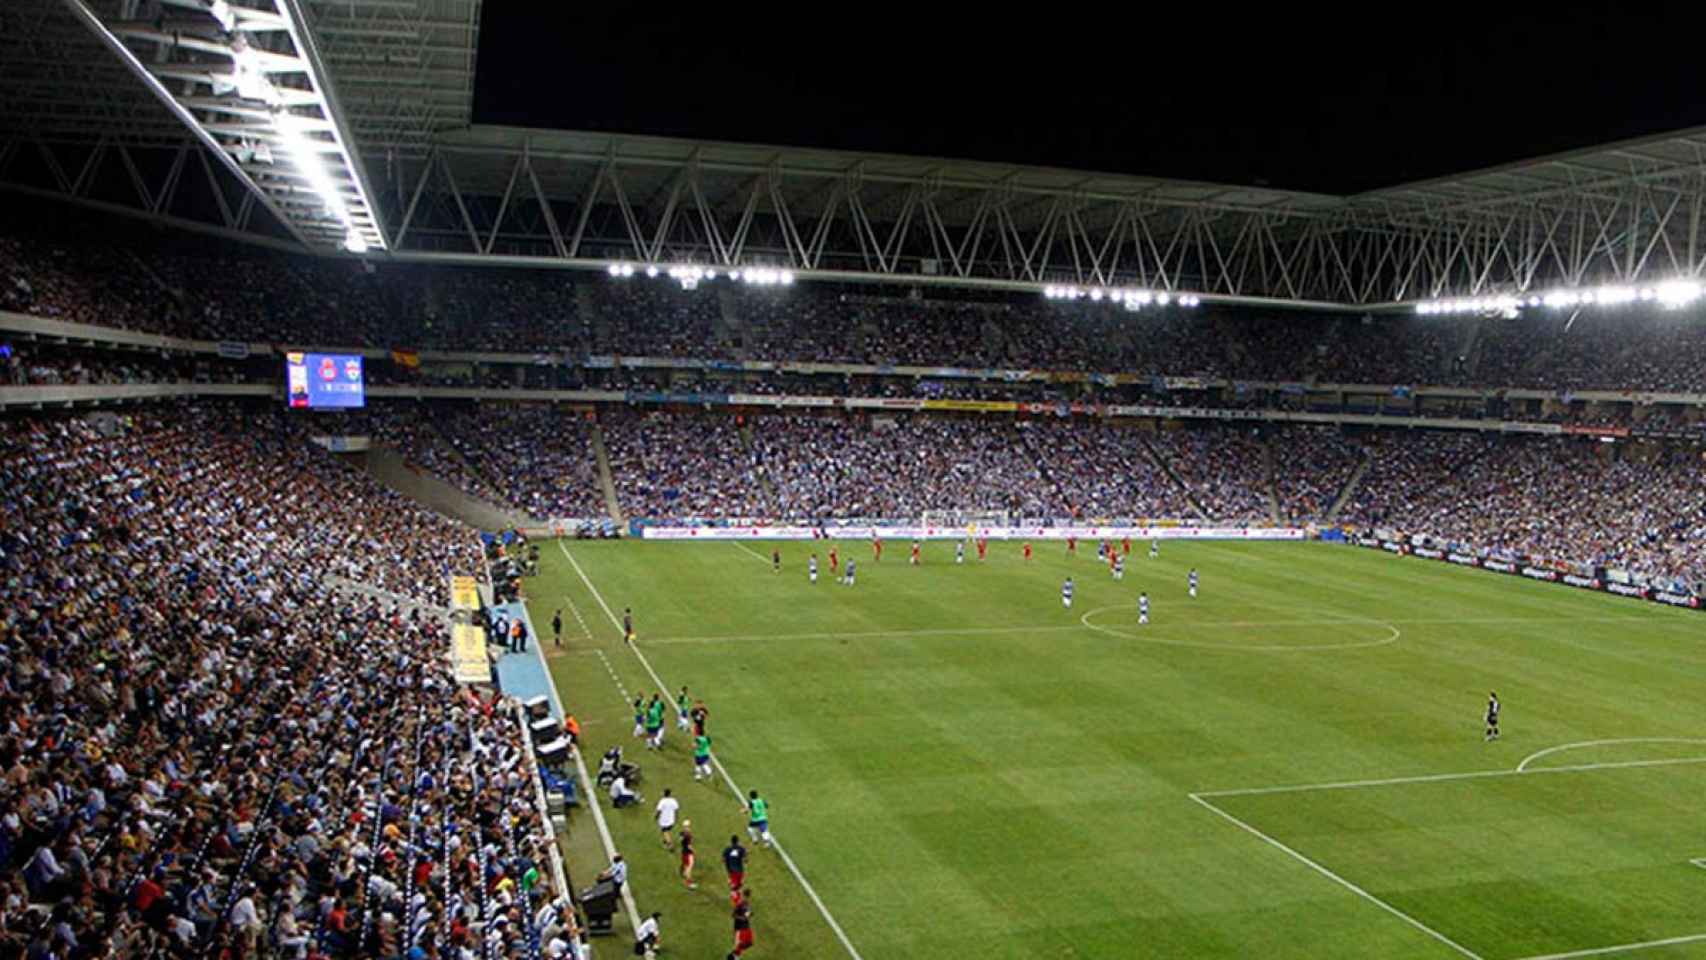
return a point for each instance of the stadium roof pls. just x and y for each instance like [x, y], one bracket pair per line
[420, 180]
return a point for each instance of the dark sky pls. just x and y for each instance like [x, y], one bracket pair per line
[1223, 97]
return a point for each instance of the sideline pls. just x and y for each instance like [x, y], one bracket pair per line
[717, 761]
[588, 785]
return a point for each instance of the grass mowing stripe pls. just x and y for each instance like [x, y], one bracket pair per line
[717, 762]
[1341, 881]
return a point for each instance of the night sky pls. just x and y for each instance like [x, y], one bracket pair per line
[1227, 98]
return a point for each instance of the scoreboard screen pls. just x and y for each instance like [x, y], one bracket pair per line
[317, 380]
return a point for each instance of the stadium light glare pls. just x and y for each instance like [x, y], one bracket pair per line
[1677, 293]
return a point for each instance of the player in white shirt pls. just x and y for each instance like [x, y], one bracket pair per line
[1066, 594]
[1193, 582]
[667, 808]
[811, 568]
[1142, 609]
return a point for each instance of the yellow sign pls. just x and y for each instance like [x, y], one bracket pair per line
[468, 654]
[973, 406]
[464, 593]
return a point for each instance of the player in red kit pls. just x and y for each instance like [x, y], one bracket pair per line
[1027, 549]
[876, 550]
[834, 561]
[982, 548]
[915, 553]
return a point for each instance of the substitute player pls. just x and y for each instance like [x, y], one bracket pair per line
[701, 757]
[1492, 716]
[811, 568]
[1066, 594]
[687, 859]
[758, 817]
[1142, 609]
[1193, 582]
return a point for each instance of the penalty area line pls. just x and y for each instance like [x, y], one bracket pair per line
[716, 761]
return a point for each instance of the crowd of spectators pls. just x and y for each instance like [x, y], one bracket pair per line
[1223, 468]
[536, 459]
[141, 279]
[208, 749]
[678, 466]
[1570, 501]
[1404, 467]
[1311, 466]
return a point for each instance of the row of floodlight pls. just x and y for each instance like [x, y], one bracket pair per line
[1671, 295]
[689, 275]
[250, 81]
[1132, 299]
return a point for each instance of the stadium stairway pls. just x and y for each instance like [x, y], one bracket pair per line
[1268, 481]
[388, 467]
[1167, 468]
[605, 482]
[1350, 486]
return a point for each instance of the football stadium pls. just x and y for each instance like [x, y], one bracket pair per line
[432, 538]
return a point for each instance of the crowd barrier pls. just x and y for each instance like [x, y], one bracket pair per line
[1533, 572]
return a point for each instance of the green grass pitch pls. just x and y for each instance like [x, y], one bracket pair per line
[962, 768]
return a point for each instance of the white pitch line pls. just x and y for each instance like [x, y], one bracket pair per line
[1523, 766]
[1621, 948]
[1444, 777]
[1341, 881]
[718, 763]
[761, 558]
[587, 782]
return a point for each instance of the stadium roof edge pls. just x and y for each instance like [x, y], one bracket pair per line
[643, 149]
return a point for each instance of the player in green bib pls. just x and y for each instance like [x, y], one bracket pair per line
[654, 723]
[682, 704]
[701, 757]
[758, 818]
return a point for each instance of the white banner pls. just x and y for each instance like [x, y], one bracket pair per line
[991, 533]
